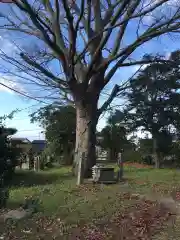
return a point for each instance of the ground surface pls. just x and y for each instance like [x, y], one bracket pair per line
[98, 212]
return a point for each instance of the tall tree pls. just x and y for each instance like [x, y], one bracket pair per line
[154, 101]
[60, 126]
[114, 136]
[164, 146]
[87, 40]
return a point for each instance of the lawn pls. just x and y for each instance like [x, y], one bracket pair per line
[94, 212]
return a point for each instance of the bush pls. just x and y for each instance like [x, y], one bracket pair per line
[32, 204]
[132, 156]
[148, 160]
[49, 165]
[8, 161]
[6, 174]
[4, 195]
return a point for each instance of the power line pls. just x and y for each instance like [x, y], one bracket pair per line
[23, 94]
[18, 119]
[27, 108]
[23, 109]
[31, 138]
[30, 130]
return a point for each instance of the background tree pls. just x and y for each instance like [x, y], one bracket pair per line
[114, 136]
[60, 126]
[8, 160]
[164, 147]
[154, 102]
[87, 40]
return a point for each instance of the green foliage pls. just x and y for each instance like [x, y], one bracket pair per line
[164, 144]
[8, 116]
[114, 136]
[154, 99]
[8, 161]
[6, 151]
[60, 125]
[154, 104]
[132, 155]
[32, 204]
[146, 146]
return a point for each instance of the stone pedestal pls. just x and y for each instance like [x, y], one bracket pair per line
[120, 165]
[103, 174]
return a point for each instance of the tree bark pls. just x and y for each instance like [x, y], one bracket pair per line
[155, 154]
[86, 118]
[66, 154]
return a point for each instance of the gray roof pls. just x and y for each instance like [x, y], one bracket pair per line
[39, 141]
[38, 145]
[20, 140]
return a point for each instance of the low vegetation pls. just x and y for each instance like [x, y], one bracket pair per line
[66, 211]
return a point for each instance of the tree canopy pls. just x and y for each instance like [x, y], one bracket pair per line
[154, 101]
[114, 136]
[60, 126]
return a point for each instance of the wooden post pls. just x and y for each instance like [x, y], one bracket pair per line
[80, 174]
[31, 160]
[37, 163]
[38, 159]
[34, 163]
[120, 165]
[28, 162]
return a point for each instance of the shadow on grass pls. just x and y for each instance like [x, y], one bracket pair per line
[31, 178]
[11, 205]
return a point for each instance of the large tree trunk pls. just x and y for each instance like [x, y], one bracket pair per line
[86, 118]
[67, 154]
[155, 153]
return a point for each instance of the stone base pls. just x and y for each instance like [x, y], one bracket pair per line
[17, 214]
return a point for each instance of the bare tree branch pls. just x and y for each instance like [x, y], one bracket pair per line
[94, 23]
[113, 94]
[43, 70]
[122, 30]
[116, 91]
[26, 7]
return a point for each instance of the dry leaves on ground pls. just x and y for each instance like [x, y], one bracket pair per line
[139, 222]
[137, 165]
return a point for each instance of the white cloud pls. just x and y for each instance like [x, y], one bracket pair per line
[7, 47]
[173, 2]
[7, 84]
[148, 19]
[167, 55]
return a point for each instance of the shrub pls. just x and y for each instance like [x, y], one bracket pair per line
[132, 156]
[8, 161]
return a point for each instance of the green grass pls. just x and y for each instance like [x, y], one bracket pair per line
[60, 195]
[162, 181]
[60, 198]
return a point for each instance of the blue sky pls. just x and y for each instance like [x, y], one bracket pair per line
[11, 101]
